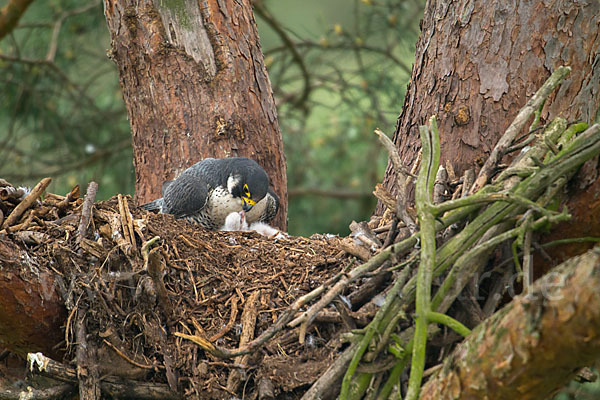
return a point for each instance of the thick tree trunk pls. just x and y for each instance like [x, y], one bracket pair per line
[195, 86]
[478, 63]
[31, 309]
[533, 346]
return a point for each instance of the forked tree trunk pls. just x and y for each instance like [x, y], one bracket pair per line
[477, 64]
[195, 86]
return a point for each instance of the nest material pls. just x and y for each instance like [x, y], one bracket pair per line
[212, 280]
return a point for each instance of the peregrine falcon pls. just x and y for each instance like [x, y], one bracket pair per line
[208, 191]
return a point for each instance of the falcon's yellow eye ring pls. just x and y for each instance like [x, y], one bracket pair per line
[246, 191]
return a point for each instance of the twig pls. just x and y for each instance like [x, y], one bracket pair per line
[10, 15]
[125, 357]
[375, 261]
[468, 180]
[11, 193]
[385, 196]
[117, 387]
[282, 321]
[372, 328]
[393, 231]
[402, 180]
[26, 203]
[330, 378]
[86, 210]
[154, 263]
[430, 146]
[439, 188]
[248, 322]
[126, 221]
[515, 127]
[527, 262]
[465, 266]
[87, 369]
[230, 323]
[291, 46]
[72, 195]
[50, 56]
[450, 322]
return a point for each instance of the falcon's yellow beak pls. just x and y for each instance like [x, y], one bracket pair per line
[247, 200]
[247, 204]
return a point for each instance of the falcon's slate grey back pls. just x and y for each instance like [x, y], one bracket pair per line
[211, 189]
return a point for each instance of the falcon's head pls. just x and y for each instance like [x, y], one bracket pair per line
[248, 182]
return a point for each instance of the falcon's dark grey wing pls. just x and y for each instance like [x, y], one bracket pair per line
[186, 195]
[213, 171]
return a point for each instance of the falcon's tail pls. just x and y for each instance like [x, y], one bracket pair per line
[154, 205]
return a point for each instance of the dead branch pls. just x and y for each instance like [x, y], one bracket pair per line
[26, 203]
[87, 368]
[403, 178]
[86, 210]
[117, 387]
[330, 380]
[248, 324]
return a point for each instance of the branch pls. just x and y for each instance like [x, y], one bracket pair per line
[11, 14]
[402, 180]
[519, 122]
[86, 211]
[289, 44]
[27, 202]
[117, 387]
[533, 345]
[430, 144]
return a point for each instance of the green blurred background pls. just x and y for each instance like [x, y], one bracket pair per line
[339, 69]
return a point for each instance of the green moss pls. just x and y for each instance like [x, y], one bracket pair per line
[177, 7]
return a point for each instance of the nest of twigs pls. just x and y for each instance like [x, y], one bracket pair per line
[215, 283]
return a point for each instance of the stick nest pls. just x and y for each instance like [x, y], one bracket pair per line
[209, 278]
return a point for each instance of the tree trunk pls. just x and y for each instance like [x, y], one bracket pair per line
[31, 309]
[195, 86]
[477, 64]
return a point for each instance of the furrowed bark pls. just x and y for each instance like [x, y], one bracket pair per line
[195, 86]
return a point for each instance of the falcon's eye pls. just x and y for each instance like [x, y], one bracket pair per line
[246, 191]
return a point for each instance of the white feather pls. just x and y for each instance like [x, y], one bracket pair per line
[235, 221]
[232, 181]
[266, 230]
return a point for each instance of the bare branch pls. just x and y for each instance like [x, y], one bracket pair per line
[10, 15]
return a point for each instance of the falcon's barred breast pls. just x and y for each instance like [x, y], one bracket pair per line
[208, 191]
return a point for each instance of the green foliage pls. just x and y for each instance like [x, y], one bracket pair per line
[353, 59]
[62, 113]
[339, 69]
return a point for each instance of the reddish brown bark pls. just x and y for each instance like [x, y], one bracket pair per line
[31, 310]
[534, 345]
[195, 86]
[477, 64]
